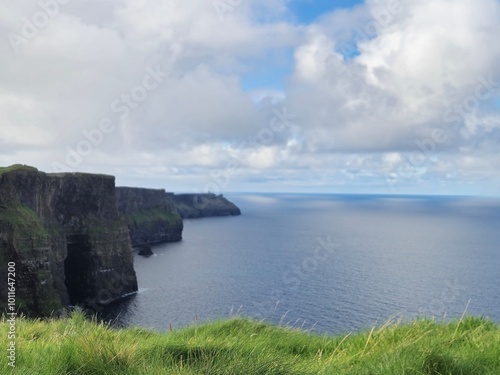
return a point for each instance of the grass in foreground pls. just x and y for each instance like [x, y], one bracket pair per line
[241, 346]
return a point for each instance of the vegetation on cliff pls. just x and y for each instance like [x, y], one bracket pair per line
[204, 205]
[66, 238]
[23, 219]
[240, 346]
[70, 234]
[150, 215]
[17, 167]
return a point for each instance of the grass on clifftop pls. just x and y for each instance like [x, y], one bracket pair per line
[241, 346]
[17, 167]
[152, 216]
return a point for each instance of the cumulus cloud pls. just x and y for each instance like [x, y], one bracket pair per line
[420, 67]
[386, 96]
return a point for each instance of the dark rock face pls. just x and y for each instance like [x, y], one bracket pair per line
[150, 215]
[146, 251]
[204, 205]
[68, 241]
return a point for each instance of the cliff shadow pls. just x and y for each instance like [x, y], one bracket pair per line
[77, 266]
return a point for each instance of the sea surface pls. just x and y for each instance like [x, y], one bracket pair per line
[325, 263]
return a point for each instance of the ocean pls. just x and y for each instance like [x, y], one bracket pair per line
[325, 263]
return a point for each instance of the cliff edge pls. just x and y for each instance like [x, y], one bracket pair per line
[66, 237]
[204, 205]
[150, 216]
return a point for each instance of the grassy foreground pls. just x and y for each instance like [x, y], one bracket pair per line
[240, 346]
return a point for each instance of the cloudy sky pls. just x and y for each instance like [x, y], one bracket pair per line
[375, 96]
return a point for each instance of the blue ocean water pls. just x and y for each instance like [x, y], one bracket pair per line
[328, 263]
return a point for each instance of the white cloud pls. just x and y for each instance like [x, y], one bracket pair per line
[359, 119]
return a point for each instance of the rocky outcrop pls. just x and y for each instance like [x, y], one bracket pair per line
[204, 205]
[66, 237]
[150, 215]
[145, 251]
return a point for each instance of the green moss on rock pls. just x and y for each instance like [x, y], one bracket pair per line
[44, 218]
[150, 215]
[23, 220]
[17, 167]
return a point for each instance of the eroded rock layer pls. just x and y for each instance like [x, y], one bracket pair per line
[150, 215]
[66, 237]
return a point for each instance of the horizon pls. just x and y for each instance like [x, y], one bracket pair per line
[375, 97]
[277, 192]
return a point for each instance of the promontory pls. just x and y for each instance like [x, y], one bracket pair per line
[69, 237]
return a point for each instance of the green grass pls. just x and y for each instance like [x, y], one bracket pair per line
[183, 206]
[153, 215]
[17, 167]
[241, 346]
[24, 220]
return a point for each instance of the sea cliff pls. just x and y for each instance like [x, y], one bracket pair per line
[204, 205]
[150, 215]
[70, 235]
[66, 237]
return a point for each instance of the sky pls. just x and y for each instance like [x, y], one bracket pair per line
[368, 97]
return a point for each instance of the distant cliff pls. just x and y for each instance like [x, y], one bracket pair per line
[204, 205]
[70, 235]
[66, 237]
[150, 215]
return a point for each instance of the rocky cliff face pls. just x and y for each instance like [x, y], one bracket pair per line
[204, 205]
[150, 215]
[68, 241]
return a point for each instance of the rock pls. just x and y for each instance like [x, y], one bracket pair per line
[70, 235]
[146, 251]
[204, 205]
[150, 215]
[66, 238]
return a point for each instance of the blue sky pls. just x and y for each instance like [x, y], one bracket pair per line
[271, 72]
[258, 99]
[307, 11]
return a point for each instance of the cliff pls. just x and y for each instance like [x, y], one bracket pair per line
[66, 237]
[150, 215]
[204, 205]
